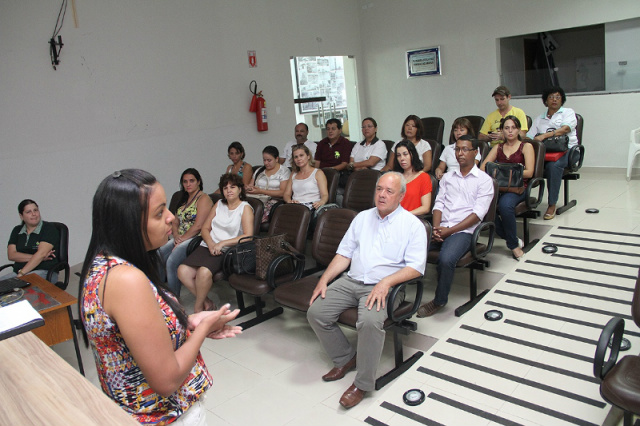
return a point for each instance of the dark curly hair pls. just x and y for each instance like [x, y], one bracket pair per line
[233, 179]
[553, 89]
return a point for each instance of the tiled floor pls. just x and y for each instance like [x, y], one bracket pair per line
[270, 375]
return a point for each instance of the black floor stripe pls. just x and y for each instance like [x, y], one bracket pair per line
[589, 271]
[507, 398]
[571, 292]
[473, 410]
[522, 342]
[374, 422]
[565, 305]
[552, 332]
[521, 380]
[575, 280]
[409, 414]
[595, 240]
[554, 317]
[504, 355]
[595, 231]
[596, 250]
[594, 260]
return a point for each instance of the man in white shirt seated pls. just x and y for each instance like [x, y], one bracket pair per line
[301, 133]
[462, 202]
[384, 246]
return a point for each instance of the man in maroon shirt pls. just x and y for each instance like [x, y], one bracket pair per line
[334, 150]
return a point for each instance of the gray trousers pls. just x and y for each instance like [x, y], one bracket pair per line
[323, 314]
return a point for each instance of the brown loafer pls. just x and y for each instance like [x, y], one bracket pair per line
[352, 397]
[428, 309]
[338, 373]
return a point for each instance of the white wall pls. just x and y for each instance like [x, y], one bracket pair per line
[156, 84]
[467, 32]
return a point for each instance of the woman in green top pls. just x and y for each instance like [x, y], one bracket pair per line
[32, 244]
[193, 208]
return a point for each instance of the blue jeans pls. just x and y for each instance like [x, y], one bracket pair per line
[172, 258]
[451, 250]
[553, 171]
[506, 218]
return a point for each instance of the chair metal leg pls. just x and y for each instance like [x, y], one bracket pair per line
[402, 365]
[261, 317]
[75, 340]
[567, 204]
[474, 297]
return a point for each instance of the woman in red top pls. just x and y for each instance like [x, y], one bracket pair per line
[513, 150]
[417, 198]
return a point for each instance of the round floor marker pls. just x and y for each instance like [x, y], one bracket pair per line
[493, 315]
[413, 397]
[625, 344]
[550, 248]
[592, 211]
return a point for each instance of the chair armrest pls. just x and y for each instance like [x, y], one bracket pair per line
[395, 291]
[193, 244]
[298, 268]
[576, 157]
[489, 226]
[615, 328]
[60, 266]
[534, 183]
[6, 266]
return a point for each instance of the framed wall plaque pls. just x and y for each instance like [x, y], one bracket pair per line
[421, 62]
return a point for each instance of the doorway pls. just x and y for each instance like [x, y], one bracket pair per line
[326, 87]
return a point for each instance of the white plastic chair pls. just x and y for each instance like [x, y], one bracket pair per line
[634, 149]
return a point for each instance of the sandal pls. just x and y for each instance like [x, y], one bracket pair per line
[550, 213]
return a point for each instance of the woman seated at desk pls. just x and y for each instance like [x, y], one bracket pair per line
[230, 220]
[147, 360]
[32, 245]
[269, 181]
[417, 198]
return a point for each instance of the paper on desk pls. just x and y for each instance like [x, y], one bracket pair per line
[18, 315]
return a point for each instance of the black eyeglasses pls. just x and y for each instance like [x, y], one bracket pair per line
[463, 149]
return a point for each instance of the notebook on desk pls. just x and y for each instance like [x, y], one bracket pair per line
[18, 318]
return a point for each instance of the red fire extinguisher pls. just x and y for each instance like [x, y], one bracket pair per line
[258, 105]
[261, 113]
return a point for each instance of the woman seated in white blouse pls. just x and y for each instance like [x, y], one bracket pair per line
[371, 152]
[448, 161]
[269, 181]
[230, 220]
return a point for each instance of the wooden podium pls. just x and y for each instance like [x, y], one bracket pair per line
[40, 388]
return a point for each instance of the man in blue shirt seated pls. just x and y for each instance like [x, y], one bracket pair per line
[384, 246]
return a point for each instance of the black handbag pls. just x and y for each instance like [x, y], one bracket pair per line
[556, 143]
[241, 258]
[510, 176]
